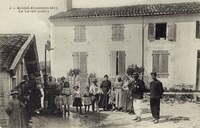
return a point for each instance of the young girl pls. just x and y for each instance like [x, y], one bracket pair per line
[112, 98]
[77, 101]
[14, 111]
[59, 103]
[66, 92]
[87, 99]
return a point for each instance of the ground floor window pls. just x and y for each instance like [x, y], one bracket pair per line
[160, 63]
[80, 61]
[117, 63]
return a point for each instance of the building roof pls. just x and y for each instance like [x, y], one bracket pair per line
[13, 47]
[131, 11]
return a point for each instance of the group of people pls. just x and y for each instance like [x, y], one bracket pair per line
[30, 96]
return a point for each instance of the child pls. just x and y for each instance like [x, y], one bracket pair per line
[112, 98]
[94, 90]
[77, 99]
[87, 99]
[66, 92]
[59, 103]
[14, 111]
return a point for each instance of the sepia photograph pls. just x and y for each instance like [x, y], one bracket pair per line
[100, 64]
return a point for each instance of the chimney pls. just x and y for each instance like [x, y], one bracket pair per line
[69, 5]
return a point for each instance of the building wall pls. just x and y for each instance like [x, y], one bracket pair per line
[183, 52]
[5, 86]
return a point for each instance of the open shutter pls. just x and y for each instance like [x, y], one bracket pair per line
[121, 32]
[151, 32]
[156, 56]
[113, 59]
[121, 62]
[83, 62]
[76, 60]
[171, 32]
[164, 63]
[198, 29]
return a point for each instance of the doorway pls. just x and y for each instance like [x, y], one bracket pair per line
[198, 71]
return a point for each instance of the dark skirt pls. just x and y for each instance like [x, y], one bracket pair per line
[77, 102]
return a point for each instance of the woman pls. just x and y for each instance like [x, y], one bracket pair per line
[105, 86]
[126, 95]
[94, 90]
[118, 92]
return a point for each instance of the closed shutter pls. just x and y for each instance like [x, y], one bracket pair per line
[172, 32]
[77, 34]
[198, 29]
[113, 59]
[115, 32]
[83, 62]
[156, 56]
[83, 34]
[151, 32]
[121, 61]
[121, 32]
[76, 60]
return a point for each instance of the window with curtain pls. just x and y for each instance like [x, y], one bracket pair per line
[117, 32]
[80, 33]
[160, 63]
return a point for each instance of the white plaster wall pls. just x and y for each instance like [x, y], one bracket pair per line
[183, 52]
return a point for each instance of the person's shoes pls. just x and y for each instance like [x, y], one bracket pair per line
[153, 120]
[135, 118]
[139, 119]
[156, 121]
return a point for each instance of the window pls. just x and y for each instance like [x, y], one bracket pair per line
[118, 32]
[80, 34]
[160, 63]
[117, 64]
[162, 30]
[80, 61]
[198, 29]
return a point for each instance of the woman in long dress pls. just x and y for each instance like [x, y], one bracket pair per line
[105, 86]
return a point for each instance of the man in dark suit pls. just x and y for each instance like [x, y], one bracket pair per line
[156, 91]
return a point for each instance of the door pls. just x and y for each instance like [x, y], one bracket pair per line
[198, 71]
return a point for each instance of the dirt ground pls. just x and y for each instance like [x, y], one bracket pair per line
[174, 115]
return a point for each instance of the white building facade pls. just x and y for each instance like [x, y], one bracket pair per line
[108, 40]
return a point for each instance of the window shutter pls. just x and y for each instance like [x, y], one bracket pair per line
[121, 32]
[198, 29]
[151, 32]
[83, 62]
[77, 33]
[76, 60]
[83, 34]
[171, 32]
[113, 59]
[114, 32]
[156, 56]
[122, 61]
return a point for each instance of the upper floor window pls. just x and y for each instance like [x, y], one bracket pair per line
[80, 34]
[117, 32]
[160, 63]
[162, 31]
[198, 29]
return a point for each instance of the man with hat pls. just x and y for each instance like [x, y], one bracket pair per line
[156, 91]
[137, 88]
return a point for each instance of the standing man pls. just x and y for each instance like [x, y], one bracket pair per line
[156, 91]
[137, 89]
